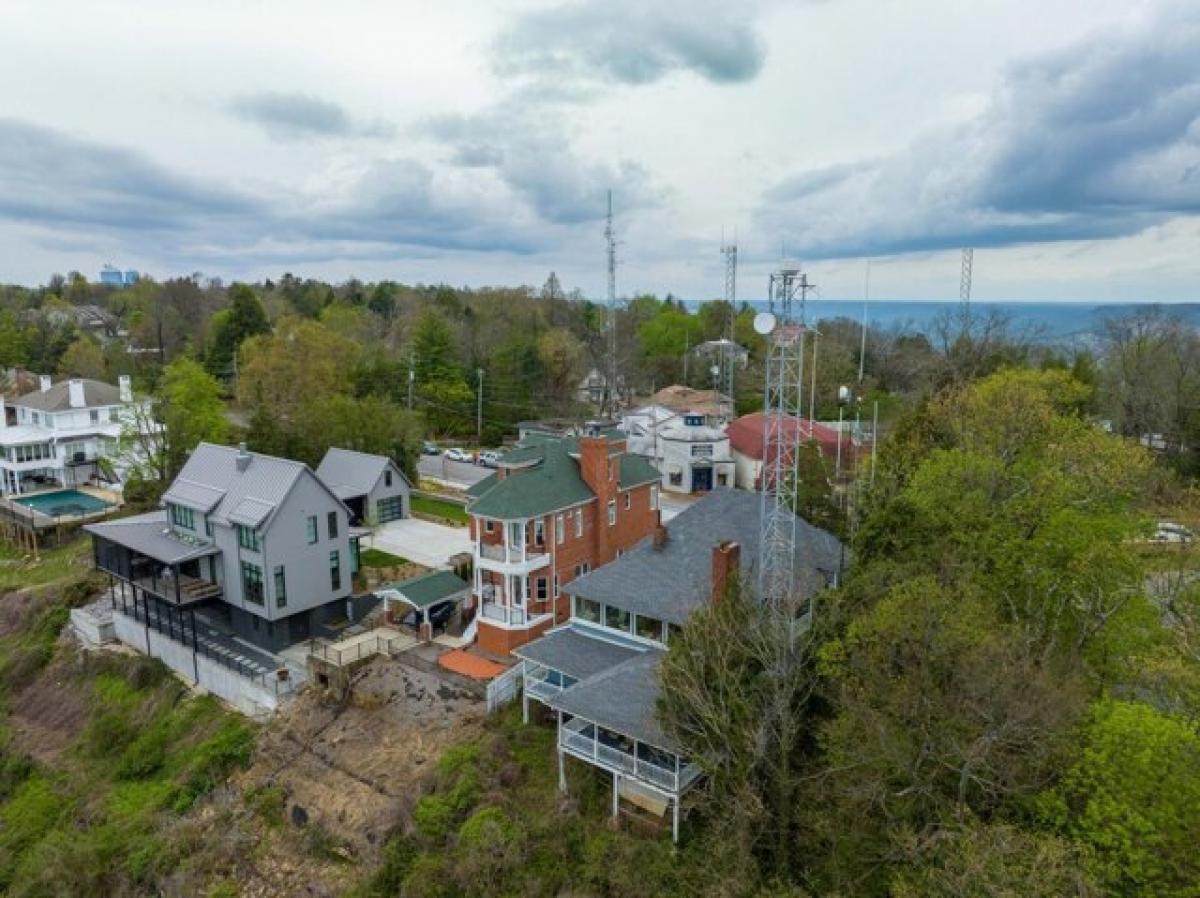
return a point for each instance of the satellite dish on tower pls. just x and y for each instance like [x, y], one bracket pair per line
[764, 323]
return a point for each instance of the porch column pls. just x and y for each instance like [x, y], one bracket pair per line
[675, 819]
[616, 800]
[175, 577]
[562, 769]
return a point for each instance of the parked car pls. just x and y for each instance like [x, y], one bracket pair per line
[489, 459]
[439, 616]
[428, 448]
[458, 455]
[1168, 532]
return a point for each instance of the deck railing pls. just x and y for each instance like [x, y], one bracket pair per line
[589, 747]
[378, 644]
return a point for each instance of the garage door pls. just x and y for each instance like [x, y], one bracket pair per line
[390, 509]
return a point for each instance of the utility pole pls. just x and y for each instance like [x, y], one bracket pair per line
[412, 377]
[479, 409]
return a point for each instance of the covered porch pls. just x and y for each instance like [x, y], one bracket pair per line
[142, 556]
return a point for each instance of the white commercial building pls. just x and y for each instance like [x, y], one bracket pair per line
[59, 435]
[694, 457]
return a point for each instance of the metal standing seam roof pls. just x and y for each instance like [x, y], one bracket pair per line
[187, 492]
[96, 394]
[428, 589]
[266, 481]
[149, 534]
[672, 582]
[576, 653]
[349, 473]
[623, 699]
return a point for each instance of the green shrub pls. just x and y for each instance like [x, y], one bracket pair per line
[434, 817]
[269, 803]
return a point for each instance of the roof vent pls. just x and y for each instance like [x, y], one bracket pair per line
[243, 457]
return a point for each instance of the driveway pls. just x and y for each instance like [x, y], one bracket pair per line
[421, 541]
[671, 504]
[456, 473]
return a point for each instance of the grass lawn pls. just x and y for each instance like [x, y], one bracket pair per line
[19, 569]
[380, 558]
[451, 512]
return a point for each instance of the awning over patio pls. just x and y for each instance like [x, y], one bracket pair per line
[427, 589]
[149, 535]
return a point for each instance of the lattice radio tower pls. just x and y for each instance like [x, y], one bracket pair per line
[610, 376]
[783, 398]
[729, 356]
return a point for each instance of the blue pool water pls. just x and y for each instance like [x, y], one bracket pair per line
[64, 502]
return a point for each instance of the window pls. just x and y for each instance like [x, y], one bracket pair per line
[557, 592]
[387, 476]
[586, 609]
[114, 415]
[616, 618]
[612, 512]
[539, 532]
[516, 533]
[312, 529]
[673, 631]
[182, 516]
[331, 520]
[488, 527]
[94, 416]
[252, 583]
[280, 587]
[207, 527]
[628, 499]
[335, 570]
[581, 569]
[676, 478]
[37, 419]
[560, 530]
[541, 588]
[578, 522]
[654, 497]
[649, 628]
[249, 538]
[610, 469]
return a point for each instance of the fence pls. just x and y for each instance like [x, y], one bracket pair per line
[505, 688]
[364, 647]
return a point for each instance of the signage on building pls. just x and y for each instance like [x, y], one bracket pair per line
[702, 450]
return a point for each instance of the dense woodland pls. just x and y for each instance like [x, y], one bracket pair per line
[1002, 698]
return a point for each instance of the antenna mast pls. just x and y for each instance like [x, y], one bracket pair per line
[610, 376]
[725, 385]
[782, 409]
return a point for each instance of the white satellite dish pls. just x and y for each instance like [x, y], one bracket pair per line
[764, 323]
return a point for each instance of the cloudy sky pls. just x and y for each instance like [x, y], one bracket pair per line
[473, 142]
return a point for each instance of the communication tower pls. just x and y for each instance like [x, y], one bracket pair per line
[610, 376]
[725, 384]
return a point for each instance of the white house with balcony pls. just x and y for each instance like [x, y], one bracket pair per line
[60, 434]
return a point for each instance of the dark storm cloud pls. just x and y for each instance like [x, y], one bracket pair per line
[295, 116]
[1099, 140]
[633, 42]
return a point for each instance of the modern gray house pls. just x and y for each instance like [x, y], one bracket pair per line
[372, 486]
[599, 671]
[256, 545]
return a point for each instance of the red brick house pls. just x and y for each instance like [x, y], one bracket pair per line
[553, 511]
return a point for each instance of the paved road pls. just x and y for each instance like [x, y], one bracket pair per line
[424, 542]
[461, 473]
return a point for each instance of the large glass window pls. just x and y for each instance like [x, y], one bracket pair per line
[541, 588]
[578, 522]
[181, 516]
[560, 529]
[649, 628]
[617, 618]
[331, 520]
[586, 609]
[252, 583]
[249, 538]
[280, 587]
[335, 570]
[612, 512]
[312, 529]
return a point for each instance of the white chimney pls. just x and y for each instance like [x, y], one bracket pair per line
[125, 384]
[44, 382]
[75, 393]
[243, 457]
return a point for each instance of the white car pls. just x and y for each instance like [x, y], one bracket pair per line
[489, 459]
[458, 455]
[1168, 532]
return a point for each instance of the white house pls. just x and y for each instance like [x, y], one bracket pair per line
[642, 427]
[57, 435]
[694, 457]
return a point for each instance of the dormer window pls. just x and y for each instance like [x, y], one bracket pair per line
[182, 516]
[693, 420]
[94, 416]
[249, 538]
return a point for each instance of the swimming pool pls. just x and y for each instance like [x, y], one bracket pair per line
[62, 503]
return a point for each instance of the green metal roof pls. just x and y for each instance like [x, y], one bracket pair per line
[636, 470]
[429, 589]
[479, 487]
[552, 484]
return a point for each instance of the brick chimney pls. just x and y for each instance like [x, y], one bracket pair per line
[602, 475]
[660, 536]
[726, 563]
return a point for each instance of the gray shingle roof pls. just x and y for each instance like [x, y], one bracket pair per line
[671, 582]
[623, 699]
[149, 535]
[349, 473]
[96, 394]
[575, 652]
[265, 483]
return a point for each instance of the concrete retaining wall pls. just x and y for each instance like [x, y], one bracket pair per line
[93, 629]
[251, 698]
